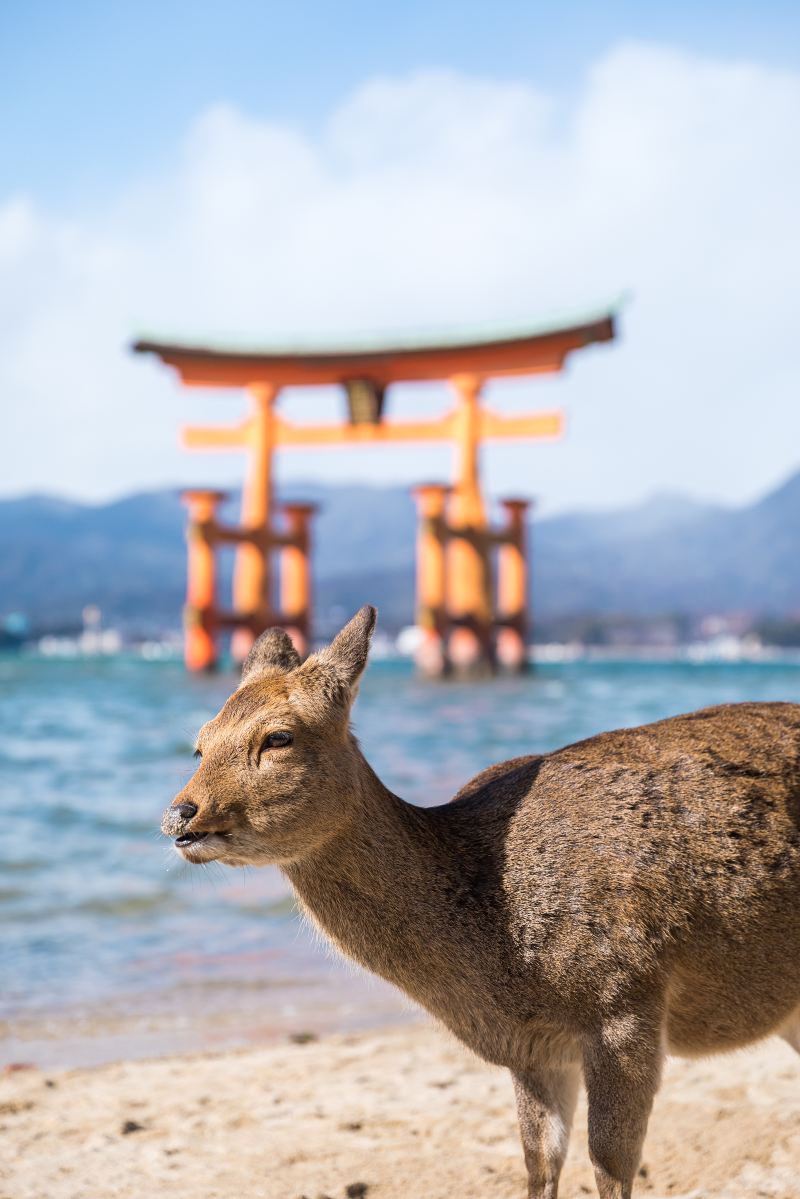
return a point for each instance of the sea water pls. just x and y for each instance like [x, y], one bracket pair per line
[110, 945]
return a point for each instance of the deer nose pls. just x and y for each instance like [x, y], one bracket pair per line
[186, 810]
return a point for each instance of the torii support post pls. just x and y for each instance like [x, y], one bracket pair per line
[295, 574]
[431, 578]
[469, 597]
[512, 588]
[200, 613]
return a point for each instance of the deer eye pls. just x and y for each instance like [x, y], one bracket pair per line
[276, 740]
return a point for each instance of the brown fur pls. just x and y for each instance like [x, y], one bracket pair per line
[578, 913]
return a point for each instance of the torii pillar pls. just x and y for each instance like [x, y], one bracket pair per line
[252, 584]
[200, 614]
[469, 598]
[431, 615]
[295, 574]
[513, 587]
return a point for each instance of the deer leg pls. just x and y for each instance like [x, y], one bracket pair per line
[622, 1067]
[545, 1105]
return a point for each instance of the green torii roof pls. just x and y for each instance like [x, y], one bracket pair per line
[385, 340]
[386, 358]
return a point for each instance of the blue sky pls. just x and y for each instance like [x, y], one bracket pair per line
[156, 158]
[94, 93]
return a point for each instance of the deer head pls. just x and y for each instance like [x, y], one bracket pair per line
[278, 771]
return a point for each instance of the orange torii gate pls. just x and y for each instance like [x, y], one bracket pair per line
[462, 626]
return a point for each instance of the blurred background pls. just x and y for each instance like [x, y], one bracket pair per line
[261, 173]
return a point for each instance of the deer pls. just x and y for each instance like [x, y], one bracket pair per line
[572, 916]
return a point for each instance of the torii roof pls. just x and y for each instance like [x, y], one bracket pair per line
[537, 348]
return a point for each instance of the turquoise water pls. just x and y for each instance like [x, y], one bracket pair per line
[111, 945]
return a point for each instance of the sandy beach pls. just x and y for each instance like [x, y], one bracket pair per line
[399, 1113]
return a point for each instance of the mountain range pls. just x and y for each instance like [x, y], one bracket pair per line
[669, 555]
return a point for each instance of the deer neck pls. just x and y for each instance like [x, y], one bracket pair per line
[375, 887]
[416, 896]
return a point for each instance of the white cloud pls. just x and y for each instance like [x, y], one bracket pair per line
[433, 200]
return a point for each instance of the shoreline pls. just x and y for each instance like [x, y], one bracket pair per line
[202, 1018]
[400, 1113]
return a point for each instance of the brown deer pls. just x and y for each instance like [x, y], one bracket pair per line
[577, 913]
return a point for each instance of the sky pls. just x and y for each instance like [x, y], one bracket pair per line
[268, 172]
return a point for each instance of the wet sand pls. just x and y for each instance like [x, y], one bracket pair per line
[399, 1114]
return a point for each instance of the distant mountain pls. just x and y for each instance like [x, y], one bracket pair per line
[668, 555]
[673, 555]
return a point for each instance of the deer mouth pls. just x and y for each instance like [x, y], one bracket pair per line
[200, 847]
[190, 839]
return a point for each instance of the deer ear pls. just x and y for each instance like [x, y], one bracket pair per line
[272, 652]
[346, 656]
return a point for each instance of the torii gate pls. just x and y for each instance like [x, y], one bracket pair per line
[462, 626]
